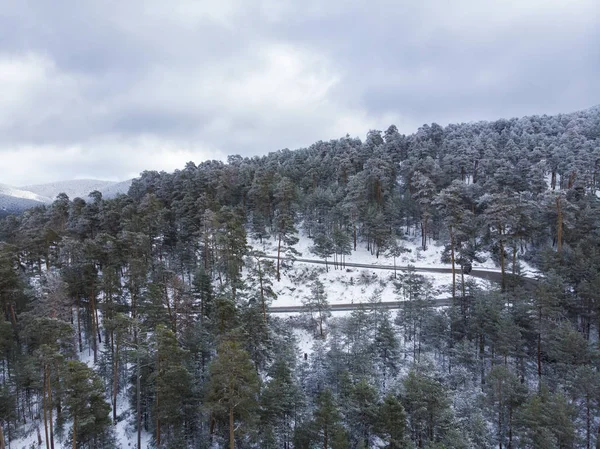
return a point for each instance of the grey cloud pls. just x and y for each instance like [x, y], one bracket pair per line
[534, 65]
[253, 77]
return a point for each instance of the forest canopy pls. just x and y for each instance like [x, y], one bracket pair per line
[163, 290]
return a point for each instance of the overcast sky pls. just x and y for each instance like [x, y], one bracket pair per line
[106, 89]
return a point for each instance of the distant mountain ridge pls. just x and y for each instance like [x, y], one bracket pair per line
[18, 199]
[22, 193]
[74, 188]
[116, 188]
[14, 200]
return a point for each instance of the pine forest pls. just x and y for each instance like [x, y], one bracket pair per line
[156, 319]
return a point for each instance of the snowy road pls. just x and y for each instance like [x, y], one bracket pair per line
[489, 275]
[440, 302]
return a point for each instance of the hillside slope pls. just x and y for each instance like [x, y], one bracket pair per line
[13, 200]
[73, 188]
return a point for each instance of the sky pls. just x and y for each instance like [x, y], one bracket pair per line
[107, 89]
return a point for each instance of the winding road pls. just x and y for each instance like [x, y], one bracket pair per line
[488, 275]
[439, 302]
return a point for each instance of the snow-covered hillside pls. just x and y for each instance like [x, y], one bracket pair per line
[342, 285]
[74, 188]
[116, 189]
[361, 285]
[13, 200]
[24, 194]
[18, 199]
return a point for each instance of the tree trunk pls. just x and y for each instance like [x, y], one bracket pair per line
[278, 257]
[2, 443]
[231, 429]
[75, 432]
[45, 400]
[463, 306]
[49, 386]
[482, 357]
[98, 324]
[94, 324]
[588, 421]
[79, 324]
[510, 428]
[572, 178]
[139, 397]
[206, 251]
[539, 345]
[502, 268]
[499, 414]
[115, 381]
[262, 290]
[559, 225]
[453, 265]
[157, 421]
[424, 223]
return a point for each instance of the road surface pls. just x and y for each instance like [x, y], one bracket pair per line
[489, 275]
[441, 302]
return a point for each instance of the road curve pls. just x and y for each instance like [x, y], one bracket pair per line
[441, 302]
[488, 275]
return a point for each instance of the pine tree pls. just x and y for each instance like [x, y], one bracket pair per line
[362, 412]
[173, 393]
[260, 274]
[505, 394]
[326, 417]
[317, 306]
[323, 246]
[391, 424]
[546, 421]
[386, 349]
[424, 192]
[584, 386]
[86, 406]
[280, 401]
[284, 228]
[395, 249]
[427, 407]
[233, 385]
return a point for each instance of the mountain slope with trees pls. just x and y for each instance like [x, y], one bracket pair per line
[163, 290]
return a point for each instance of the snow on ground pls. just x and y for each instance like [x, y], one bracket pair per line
[125, 433]
[116, 189]
[73, 188]
[360, 285]
[23, 193]
[430, 258]
[343, 286]
[304, 340]
[30, 439]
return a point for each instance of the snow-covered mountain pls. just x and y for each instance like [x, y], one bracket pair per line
[25, 194]
[13, 200]
[75, 188]
[116, 189]
[18, 199]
